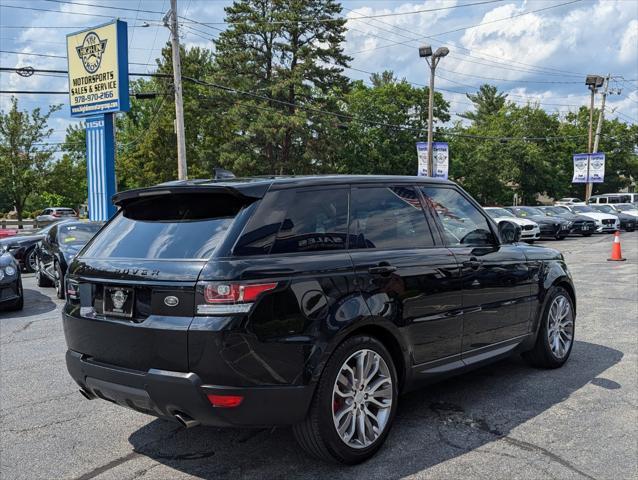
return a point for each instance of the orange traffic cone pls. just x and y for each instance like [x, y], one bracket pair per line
[616, 254]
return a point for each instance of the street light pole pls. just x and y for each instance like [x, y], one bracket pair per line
[182, 169]
[426, 52]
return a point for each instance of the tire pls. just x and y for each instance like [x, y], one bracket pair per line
[59, 281]
[30, 261]
[318, 434]
[42, 280]
[543, 355]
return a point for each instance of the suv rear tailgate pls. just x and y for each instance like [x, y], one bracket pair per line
[155, 335]
[136, 278]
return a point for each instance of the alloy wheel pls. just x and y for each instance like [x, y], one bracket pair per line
[362, 398]
[32, 261]
[560, 326]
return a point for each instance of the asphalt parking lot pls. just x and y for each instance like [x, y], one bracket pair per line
[505, 421]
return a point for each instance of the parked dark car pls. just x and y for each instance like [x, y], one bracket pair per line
[551, 227]
[11, 293]
[580, 225]
[627, 221]
[22, 247]
[56, 250]
[305, 301]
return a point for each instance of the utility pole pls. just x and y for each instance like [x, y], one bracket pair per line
[426, 52]
[170, 21]
[599, 126]
[593, 82]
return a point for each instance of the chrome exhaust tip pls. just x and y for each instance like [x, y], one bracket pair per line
[86, 394]
[186, 421]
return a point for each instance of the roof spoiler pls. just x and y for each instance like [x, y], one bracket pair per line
[246, 192]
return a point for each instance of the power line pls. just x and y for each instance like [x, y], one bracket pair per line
[20, 7]
[471, 26]
[536, 69]
[103, 6]
[50, 56]
[340, 19]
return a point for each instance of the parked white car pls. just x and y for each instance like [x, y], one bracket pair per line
[569, 201]
[530, 230]
[627, 208]
[54, 214]
[605, 222]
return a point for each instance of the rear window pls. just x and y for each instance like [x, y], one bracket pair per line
[176, 227]
[76, 234]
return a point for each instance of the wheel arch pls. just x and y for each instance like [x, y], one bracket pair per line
[390, 341]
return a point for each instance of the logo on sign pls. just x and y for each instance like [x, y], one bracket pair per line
[119, 298]
[91, 52]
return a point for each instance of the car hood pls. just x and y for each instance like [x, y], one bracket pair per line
[544, 219]
[20, 239]
[599, 215]
[516, 220]
[7, 259]
[70, 251]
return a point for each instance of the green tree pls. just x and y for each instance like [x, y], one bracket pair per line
[147, 148]
[488, 101]
[374, 143]
[23, 158]
[294, 66]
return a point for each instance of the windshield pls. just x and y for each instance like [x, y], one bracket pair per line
[625, 208]
[76, 234]
[499, 212]
[583, 209]
[604, 208]
[527, 212]
[176, 227]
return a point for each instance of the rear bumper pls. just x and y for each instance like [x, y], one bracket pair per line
[164, 393]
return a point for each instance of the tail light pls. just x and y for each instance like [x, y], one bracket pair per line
[225, 401]
[227, 298]
[72, 290]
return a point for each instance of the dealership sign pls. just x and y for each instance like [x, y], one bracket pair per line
[98, 69]
[589, 168]
[440, 159]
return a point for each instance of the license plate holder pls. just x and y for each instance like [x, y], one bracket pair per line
[118, 301]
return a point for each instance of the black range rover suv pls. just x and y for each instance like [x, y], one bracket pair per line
[309, 301]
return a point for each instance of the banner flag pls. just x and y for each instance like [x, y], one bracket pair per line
[440, 159]
[589, 168]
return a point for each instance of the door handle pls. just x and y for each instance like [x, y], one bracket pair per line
[382, 269]
[473, 263]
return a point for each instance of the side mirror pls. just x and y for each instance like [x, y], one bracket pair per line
[509, 232]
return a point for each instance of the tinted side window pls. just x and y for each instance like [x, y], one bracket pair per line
[463, 224]
[315, 220]
[259, 234]
[388, 218]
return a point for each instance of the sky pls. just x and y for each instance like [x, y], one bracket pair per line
[533, 50]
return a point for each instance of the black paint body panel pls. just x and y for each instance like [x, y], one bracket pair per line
[437, 313]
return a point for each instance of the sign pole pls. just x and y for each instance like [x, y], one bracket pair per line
[100, 165]
[98, 88]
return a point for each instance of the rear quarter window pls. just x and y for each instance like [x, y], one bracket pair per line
[168, 227]
[297, 221]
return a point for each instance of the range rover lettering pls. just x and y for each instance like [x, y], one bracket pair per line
[312, 302]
